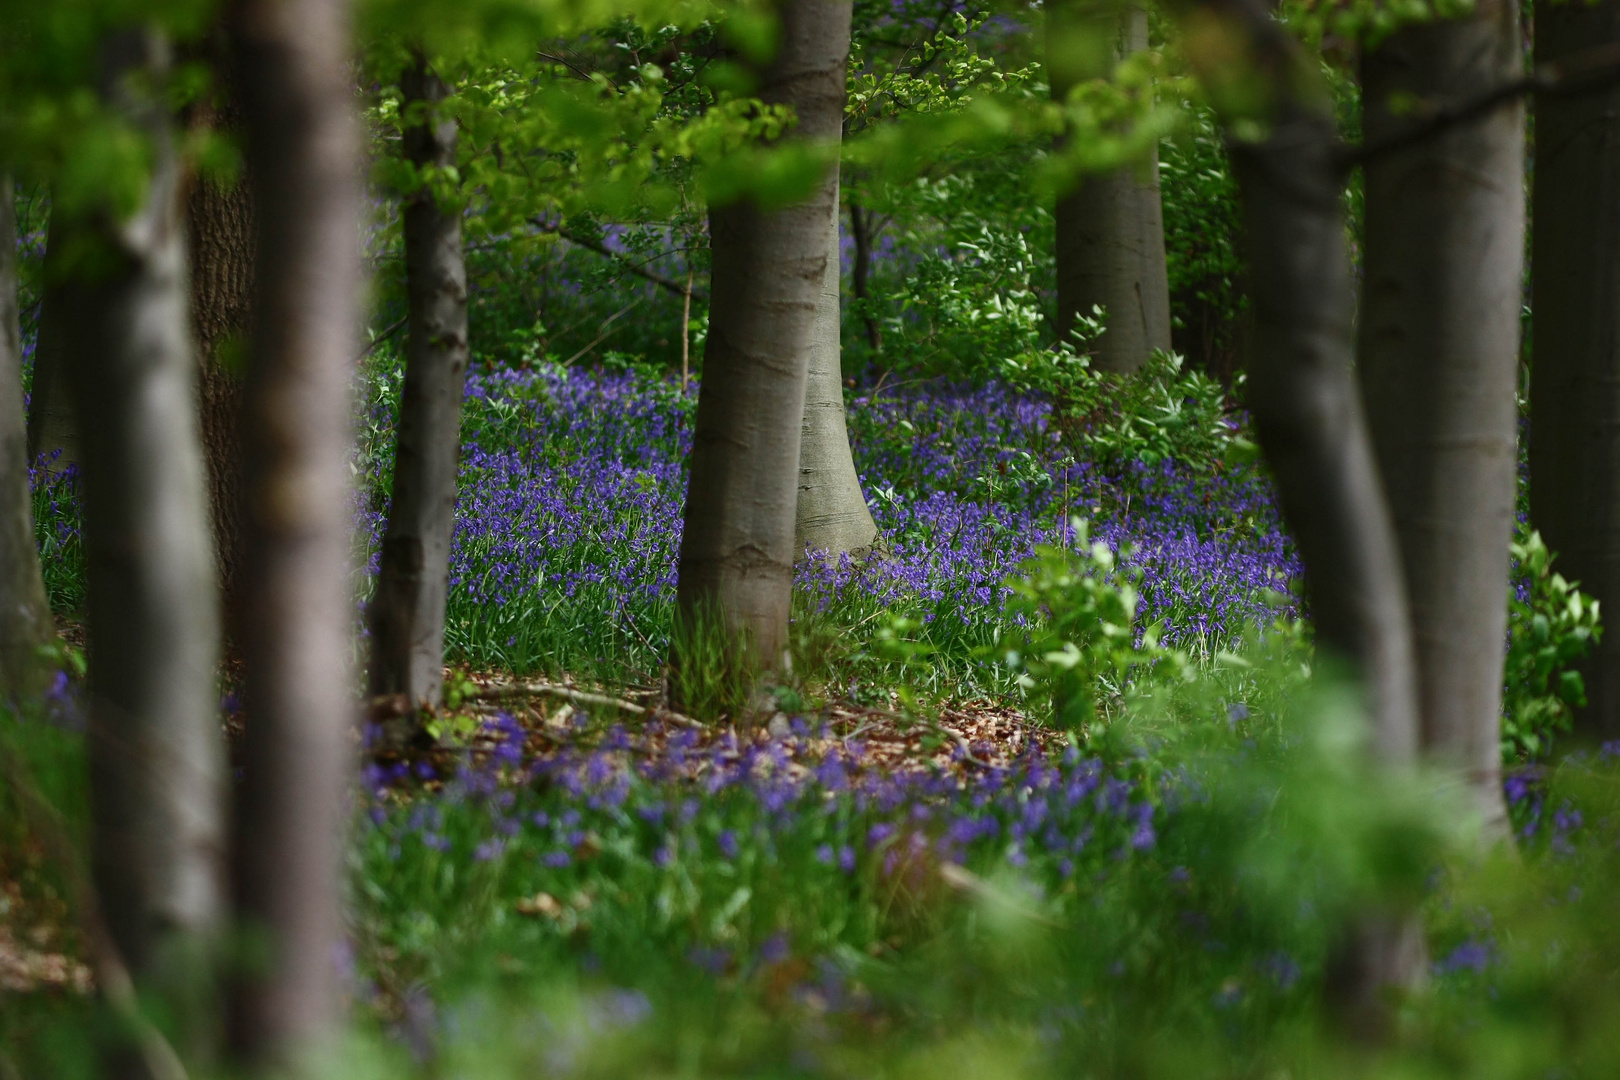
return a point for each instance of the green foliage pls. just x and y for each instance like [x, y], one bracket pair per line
[1549, 630]
[1077, 646]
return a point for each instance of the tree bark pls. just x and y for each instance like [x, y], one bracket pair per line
[860, 230]
[768, 273]
[832, 514]
[291, 61]
[407, 613]
[1575, 373]
[156, 750]
[1110, 230]
[53, 433]
[25, 613]
[1443, 257]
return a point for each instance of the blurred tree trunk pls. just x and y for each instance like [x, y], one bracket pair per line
[156, 749]
[52, 430]
[1444, 256]
[25, 614]
[407, 613]
[1110, 230]
[291, 61]
[1575, 372]
[860, 230]
[832, 514]
[768, 276]
[1308, 416]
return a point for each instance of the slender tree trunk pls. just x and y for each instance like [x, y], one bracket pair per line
[768, 275]
[1308, 416]
[860, 229]
[832, 514]
[156, 749]
[407, 614]
[1444, 257]
[53, 433]
[1575, 373]
[291, 59]
[1110, 230]
[25, 614]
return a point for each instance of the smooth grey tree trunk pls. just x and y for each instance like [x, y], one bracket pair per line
[407, 613]
[1575, 373]
[832, 514]
[53, 433]
[1308, 416]
[155, 740]
[1441, 293]
[303, 152]
[1110, 229]
[737, 548]
[25, 613]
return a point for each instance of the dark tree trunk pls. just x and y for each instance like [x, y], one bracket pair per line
[832, 514]
[156, 750]
[1110, 230]
[52, 431]
[407, 614]
[768, 269]
[291, 61]
[1444, 257]
[860, 230]
[1575, 372]
[25, 614]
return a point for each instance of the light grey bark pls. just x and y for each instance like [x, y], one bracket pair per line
[832, 514]
[1575, 374]
[407, 613]
[155, 741]
[53, 433]
[1441, 293]
[25, 614]
[737, 548]
[303, 153]
[1110, 229]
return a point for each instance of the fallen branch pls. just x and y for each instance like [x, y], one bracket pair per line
[497, 691]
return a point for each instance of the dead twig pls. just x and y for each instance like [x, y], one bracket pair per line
[583, 697]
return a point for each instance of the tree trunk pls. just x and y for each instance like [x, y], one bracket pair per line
[768, 274]
[53, 433]
[25, 614]
[156, 750]
[1575, 373]
[1444, 255]
[832, 514]
[407, 614]
[860, 230]
[1110, 230]
[291, 60]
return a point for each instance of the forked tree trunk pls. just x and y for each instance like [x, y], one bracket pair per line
[407, 613]
[1575, 377]
[53, 434]
[768, 272]
[1308, 416]
[156, 748]
[25, 614]
[832, 514]
[291, 60]
[1110, 230]
[1444, 257]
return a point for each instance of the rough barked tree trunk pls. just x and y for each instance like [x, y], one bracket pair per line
[1110, 230]
[155, 742]
[1443, 256]
[291, 61]
[1308, 415]
[407, 613]
[1575, 374]
[52, 431]
[768, 267]
[25, 614]
[832, 514]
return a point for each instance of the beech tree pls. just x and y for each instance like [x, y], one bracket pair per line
[52, 431]
[769, 268]
[1110, 229]
[1443, 257]
[25, 614]
[1574, 441]
[407, 612]
[291, 61]
[155, 745]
